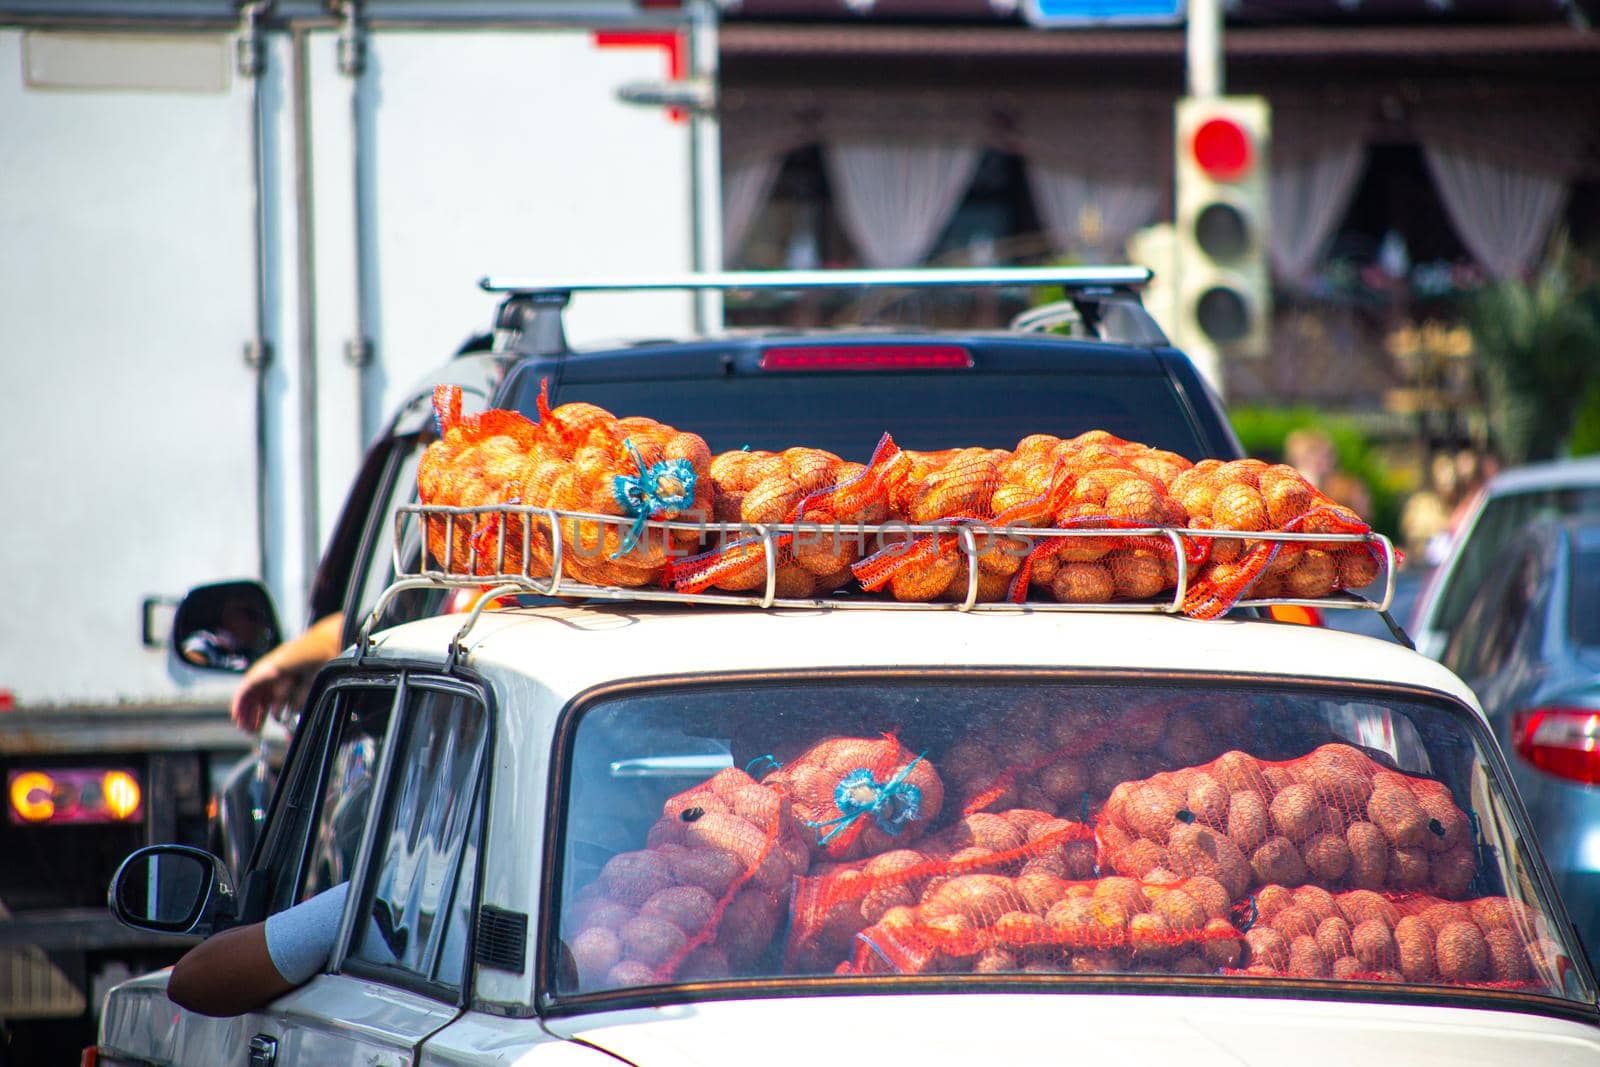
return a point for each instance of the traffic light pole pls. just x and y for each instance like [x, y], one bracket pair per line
[1203, 48]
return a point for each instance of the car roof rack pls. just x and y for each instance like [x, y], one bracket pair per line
[1103, 299]
[492, 563]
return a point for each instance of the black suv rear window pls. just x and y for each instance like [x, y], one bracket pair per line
[847, 413]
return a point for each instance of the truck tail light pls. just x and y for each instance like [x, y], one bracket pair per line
[1561, 741]
[866, 357]
[74, 795]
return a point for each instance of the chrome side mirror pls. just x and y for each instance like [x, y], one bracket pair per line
[172, 889]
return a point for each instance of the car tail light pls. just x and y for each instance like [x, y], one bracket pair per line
[73, 795]
[1296, 613]
[866, 357]
[1561, 741]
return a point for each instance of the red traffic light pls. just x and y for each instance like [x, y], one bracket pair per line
[1222, 149]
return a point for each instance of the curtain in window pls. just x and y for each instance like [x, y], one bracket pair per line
[896, 196]
[1094, 168]
[1317, 158]
[746, 186]
[1503, 173]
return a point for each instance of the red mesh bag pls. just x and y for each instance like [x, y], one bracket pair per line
[1334, 818]
[860, 796]
[818, 491]
[704, 899]
[578, 457]
[1039, 923]
[1488, 942]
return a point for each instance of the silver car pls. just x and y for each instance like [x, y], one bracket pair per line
[1509, 502]
[1529, 644]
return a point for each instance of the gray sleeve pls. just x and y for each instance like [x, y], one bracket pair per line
[300, 939]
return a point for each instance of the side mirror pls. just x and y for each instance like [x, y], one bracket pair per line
[172, 889]
[225, 626]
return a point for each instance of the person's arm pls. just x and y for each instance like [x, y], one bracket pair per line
[245, 968]
[274, 678]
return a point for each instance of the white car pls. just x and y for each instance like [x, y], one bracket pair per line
[664, 833]
[1512, 499]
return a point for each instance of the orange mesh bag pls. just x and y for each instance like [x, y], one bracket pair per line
[838, 901]
[817, 492]
[1252, 496]
[578, 457]
[1334, 818]
[1033, 922]
[704, 899]
[860, 796]
[1487, 942]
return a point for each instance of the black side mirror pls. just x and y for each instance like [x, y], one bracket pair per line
[172, 889]
[225, 626]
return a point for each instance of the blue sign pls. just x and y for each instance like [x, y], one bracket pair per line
[1050, 13]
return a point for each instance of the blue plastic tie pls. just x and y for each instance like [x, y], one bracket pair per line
[771, 760]
[641, 497]
[890, 822]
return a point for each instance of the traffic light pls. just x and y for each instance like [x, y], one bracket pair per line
[1224, 282]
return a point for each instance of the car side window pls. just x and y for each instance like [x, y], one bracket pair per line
[420, 893]
[313, 816]
[348, 787]
[1510, 614]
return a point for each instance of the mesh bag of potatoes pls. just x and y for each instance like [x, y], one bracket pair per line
[704, 899]
[834, 903]
[1490, 941]
[577, 457]
[815, 491]
[1067, 761]
[1039, 922]
[1334, 817]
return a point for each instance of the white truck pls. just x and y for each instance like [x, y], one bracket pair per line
[234, 236]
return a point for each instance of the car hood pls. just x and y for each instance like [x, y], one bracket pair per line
[935, 1031]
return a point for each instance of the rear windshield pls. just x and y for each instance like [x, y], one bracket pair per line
[872, 828]
[1500, 520]
[846, 414]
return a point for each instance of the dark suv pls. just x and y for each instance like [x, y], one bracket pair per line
[1093, 360]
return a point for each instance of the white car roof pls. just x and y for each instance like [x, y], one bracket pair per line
[1555, 474]
[568, 649]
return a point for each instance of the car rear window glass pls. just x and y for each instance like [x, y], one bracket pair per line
[1583, 600]
[907, 827]
[1500, 520]
[847, 413]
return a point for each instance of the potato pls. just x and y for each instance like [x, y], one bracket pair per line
[1248, 820]
[1238, 771]
[1267, 948]
[687, 907]
[1209, 893]
[634, 877]
[1359, 905]
[1140, 858]
[1346, 968]
[1461, 953]
[1452, 872]
[1195, 850]
[602, 913]
[1369, 856]
[1020, 929]
[1334, 938]
[1296, 812]
[1327, 857]
[1278, 861]
[1183, 913]
[1125, 892]
[982, 898]
[1448, 827]
[1271, 899]
[1414, 945]
[1408, 868]
[630, 973]
[747, 927]
[1317, 900]
[650, 941]
[598, 949]
[1221, 943]
[1396, 812]
[1294, 921]
[1306, 958]
[1040, 891]
[1372, 943]
[1152, 811]
[1438, 916]
[1508, 957]
[1150, 934]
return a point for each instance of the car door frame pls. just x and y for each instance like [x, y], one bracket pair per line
[355, 1011]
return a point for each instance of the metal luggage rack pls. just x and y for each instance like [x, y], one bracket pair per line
[489, 570]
